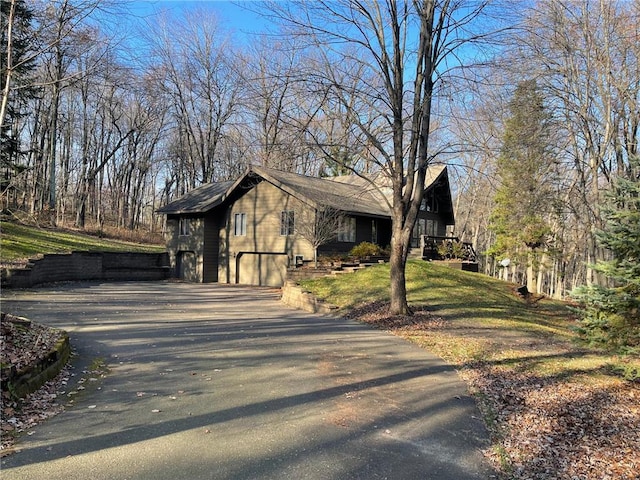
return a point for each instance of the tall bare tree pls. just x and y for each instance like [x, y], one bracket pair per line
[382, 61]
[586, 57]
[194, 68]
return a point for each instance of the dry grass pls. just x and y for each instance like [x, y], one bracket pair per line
[20, 242]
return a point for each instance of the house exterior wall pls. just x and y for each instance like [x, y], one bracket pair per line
[247, 258]
[364, 233]
[186, 252]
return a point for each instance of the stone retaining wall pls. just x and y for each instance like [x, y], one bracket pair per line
[20, 383]
[294, 296]
[79, 266]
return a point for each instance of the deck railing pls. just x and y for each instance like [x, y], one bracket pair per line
[445, 248]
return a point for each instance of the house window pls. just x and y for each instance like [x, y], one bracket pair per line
[347, 229]
[432, 228]
[429, 203]
[287, 222]
[240, 224]
[185, 227]
[374, 231]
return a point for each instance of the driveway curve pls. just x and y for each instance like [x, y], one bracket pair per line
[224, 382]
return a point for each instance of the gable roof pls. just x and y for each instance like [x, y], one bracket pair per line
[198, 200]
[349, 194]
[321, 192]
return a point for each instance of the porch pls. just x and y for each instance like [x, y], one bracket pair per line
[431, 247]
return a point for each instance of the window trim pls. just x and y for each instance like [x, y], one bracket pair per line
[374, 231]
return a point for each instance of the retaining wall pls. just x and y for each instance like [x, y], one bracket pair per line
[294, 296]
[79, 266]
[20, 383]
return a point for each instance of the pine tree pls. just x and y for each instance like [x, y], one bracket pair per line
[518, 218]
[17, 90]
[611, 316]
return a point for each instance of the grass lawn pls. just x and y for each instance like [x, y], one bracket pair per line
[556, 408]
[19, 242]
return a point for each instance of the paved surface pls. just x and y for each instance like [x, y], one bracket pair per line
[223, 382]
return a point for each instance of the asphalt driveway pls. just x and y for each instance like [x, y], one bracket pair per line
[223, 382]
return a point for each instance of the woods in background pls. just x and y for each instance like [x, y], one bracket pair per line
[101, 123]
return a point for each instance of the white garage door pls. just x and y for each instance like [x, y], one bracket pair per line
[264, 269]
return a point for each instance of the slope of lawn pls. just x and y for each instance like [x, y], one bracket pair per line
[556, 408]
[18, 242]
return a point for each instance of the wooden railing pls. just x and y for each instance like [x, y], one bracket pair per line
[444, 248]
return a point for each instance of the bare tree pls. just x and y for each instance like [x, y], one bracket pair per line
[318, 227]
[585, 58]
[194, 68]
[381, 62]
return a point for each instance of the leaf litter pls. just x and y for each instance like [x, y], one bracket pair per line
[567, 426]
[22, 343]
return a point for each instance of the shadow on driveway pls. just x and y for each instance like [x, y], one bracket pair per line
[223, 382]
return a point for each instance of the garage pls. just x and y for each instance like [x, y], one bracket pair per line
[263, 269]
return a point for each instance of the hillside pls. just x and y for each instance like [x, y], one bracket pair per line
[556, 408]
[19, 242]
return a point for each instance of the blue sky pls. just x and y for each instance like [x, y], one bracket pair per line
[230, 13]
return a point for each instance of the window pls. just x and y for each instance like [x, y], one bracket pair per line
[429, 203]
[432, 228]
[185, 227]
[240, 224]
[347, 229]
[287, 222]
[374, 231]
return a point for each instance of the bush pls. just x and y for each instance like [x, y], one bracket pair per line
[451, 250]
[366, 249]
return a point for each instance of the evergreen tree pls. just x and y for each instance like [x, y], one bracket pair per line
[611, 316]
[18, 62]
[524, 194]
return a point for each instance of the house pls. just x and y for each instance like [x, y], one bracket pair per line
[246, 231]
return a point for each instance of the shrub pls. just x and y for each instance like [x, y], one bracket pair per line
[451, 250]
[366, 249]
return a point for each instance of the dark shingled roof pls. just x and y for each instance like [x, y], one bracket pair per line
[350, 194]
[321, 192]
[199, 199]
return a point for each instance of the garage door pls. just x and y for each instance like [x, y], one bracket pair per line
[264, 269]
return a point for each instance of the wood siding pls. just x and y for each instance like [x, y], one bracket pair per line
[186, 251]
[262, 205]
[363, 234]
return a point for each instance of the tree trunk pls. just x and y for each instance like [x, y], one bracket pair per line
[398, 261]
